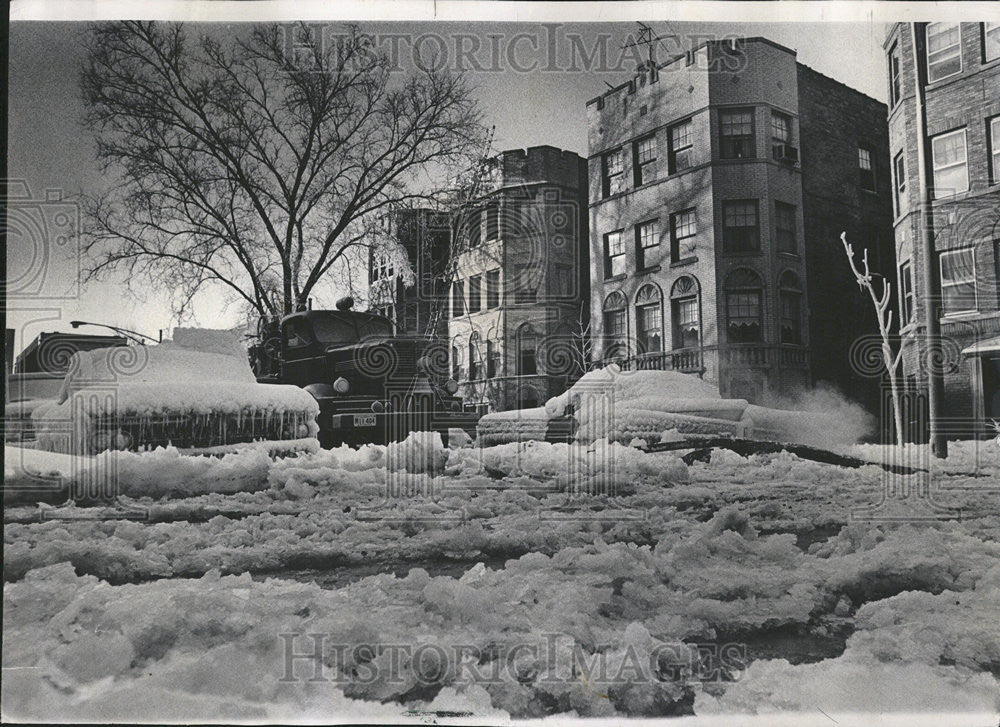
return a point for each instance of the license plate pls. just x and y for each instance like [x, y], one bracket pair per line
[364, 420]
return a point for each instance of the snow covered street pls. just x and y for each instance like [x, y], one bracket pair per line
[521, 580]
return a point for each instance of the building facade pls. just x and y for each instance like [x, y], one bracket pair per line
[720, 182]
[520, 284]
[415, 300]
[959, 67]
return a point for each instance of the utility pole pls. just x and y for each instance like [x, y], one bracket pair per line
[931, 276]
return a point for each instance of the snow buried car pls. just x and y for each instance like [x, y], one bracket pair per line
[196, 393]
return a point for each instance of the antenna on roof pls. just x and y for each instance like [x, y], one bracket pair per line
[648, 38]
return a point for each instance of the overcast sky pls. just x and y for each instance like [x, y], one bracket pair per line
[532, 81]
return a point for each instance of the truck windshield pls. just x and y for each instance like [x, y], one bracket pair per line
[373, 327]
[335, 330]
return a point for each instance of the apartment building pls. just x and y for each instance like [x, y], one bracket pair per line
[720, 182]
[518, 298]
[415, 300]
[958, 67]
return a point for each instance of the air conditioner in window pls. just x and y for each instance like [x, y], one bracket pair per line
[786, 153]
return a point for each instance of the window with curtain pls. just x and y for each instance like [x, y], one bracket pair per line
[744, 311]
[685, 313]
[527, 347]
[615, 325]
[649, 319]
[790, 304]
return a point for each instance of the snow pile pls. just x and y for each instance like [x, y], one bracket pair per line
[420, 452]
[913, 652]
[518, 638]
[546, 593]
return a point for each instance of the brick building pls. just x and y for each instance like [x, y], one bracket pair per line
[720, 182]
[518, 301]
[423, 237]
[960, 67]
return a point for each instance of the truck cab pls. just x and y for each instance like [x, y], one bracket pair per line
[371, 384]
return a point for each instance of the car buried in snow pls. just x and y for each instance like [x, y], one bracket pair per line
[372, 385]
[196, 393]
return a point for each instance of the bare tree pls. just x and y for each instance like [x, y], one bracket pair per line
[246, 165]
[883, 315]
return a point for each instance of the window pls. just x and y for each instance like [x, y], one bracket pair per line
[895, 84]
[563, 282]
[493, 288]
[906, 293]
[991, 41]
[491, 221]
[683, 225]
[527, 342]
[475, 293]
[649, 319]
[647, 244]
[613, 175]
[492, 359]
[958, 280]
[524, 283]
[458, 298]
[736, 134]
[473, 226]
[944, 50]
[781, 134]
[899, 171]
[457, 364]
[475, 358]
[645, 160]
[685, 313]
[740, 232]
[995, 150]
[614, 325]
[790, 306]
[951, 172]
[680, 147]
[614, 254]
[743, 306]
[866, 168]
[784, 223]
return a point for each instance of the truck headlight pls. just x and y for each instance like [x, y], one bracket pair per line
[341, 385]
[378, 407]
[451, 386]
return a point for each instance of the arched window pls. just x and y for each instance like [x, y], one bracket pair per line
[457, 361]
[615, 325]
[744, 310]
[492, 359]
[475, 358]
[790, 305]
[685, 312]
[527, 344]
[649, 319]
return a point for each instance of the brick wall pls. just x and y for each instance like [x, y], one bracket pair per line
[834, 120]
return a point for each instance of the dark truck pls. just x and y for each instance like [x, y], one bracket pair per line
[372, 385]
